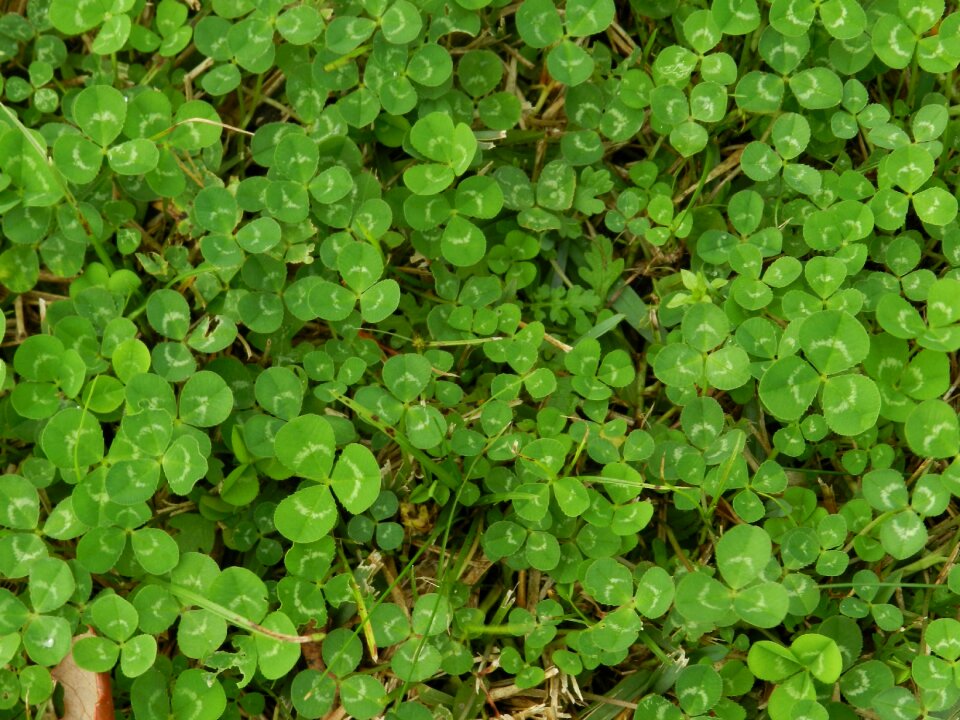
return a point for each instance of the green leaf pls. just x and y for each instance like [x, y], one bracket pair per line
[198, 694]
[542, 551]
[772, 662]
[843, 19]
[727, 368]
[909, 167]
[169, 314]
[363, 696]
[736, 17]
[307, 515]
[95, 654]
[898, 317]
[205, 400]
[297, 157]
[216, 209]
[571, 496]
[764, 605]
[539, 23]
[77, 158]
[699, 688]
[851, 403]
[19, 503]
[73, 438]
[943, 637]
[935, 206]
[138, 655]
[833, 341]
[655, 592]
[943, 303]
[689, 138]
[276, 658]
[759, 92]
[570, 64]
[788, 387]
[401, 23]
[415, 660]
[133, 157]
[306, 445]
[346, 32]
[819, 655]
[439, 139]
[702, 31]
[742, 554]
[608, 582]
[359, 265]
[130, 482]
[155, 550]
[678, 365]
[407, 375]
[432, 614]
[701, 598]
[479, 197]
[47, 639]
[100, 111]
[313, 692]
[356, 478]
[380, 301]
[759, 162]
[463, 244]
[331, 185]
[114, 617]
[280, 392]
[892, 41]
[817, 88]
[200, 633]
[240, 590]
[932, 430]
[51, 584]
[589, 17]
[329, 301]
[26, 164]
[75, 17]
[428, 179]
[791, 17]
[865, 681]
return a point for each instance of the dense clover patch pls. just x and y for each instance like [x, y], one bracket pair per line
[380, 358]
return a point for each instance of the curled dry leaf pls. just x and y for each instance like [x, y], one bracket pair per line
[86, 694]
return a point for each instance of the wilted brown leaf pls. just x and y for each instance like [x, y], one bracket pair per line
[86, 695]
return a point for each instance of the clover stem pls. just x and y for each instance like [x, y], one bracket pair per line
[508, 628]
[672, 539]
[923, 563]
[237, 619]
[454, 343]
[344, 59]
[361, 606]
[867, 528]
[654, 648]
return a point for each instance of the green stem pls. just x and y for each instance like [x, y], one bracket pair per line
[655, 648]
[868, 527]
[344, 59]
[923, 563]
[508, 628]
[237, 619]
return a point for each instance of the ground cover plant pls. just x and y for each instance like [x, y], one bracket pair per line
[419, 359]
